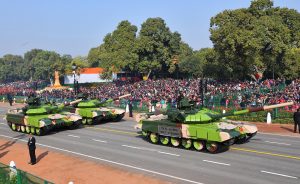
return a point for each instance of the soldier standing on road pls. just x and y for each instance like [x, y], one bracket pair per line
[9, 98]
[297, 120]
[130, 107]
[31, 147]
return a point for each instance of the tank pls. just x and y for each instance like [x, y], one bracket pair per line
[95, 111]
[198, 129]
[40, 118]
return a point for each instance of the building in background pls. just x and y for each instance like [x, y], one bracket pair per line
[87, 75]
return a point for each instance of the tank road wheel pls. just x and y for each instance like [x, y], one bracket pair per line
[40, 131]
[164, 140]
[186, 143]
[32, 130]
[212, 147]
[13, 127]
[89, 121]
[175, 141]
[144, 133]
[198, 145]
[18, 128]
[154, 138]
[84, 121]
[27, 128]
[23, 129]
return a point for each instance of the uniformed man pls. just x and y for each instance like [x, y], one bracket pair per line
[179, 98]
[31, 147]
[297, 120]
[10, 99]
[130, 107]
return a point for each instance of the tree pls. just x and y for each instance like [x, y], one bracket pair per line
[260, 35]
[291, 64]
[118, 49]
[157, 46]
[10, 68]
[199, 63]
[41, 64]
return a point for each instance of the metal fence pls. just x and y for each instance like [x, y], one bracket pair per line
[10, 175]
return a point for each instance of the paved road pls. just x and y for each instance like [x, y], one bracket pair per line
[267, 159]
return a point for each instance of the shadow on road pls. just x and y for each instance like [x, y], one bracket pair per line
[41, 156]
[3, 154]
[288, 129]
[10, 143]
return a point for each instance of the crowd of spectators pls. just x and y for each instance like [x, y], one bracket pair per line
[21, 88]
[247, 93]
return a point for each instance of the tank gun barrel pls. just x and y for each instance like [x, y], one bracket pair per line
[72, 103]
[267, 107]
[257, 109]
[120, 97]
[113, 99]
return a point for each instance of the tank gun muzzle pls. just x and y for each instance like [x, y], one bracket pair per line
[73, 102]
[120, 97]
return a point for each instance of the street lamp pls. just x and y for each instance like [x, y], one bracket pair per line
[74, 75]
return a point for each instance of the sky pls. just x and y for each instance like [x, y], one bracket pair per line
[75, 26]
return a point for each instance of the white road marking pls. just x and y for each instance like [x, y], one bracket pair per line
[169, 153]
[220, 163]
[139, 148]
[294, 136]
[99, 140]
[3, 123]
[278, 143]
[147, 149]
[112, 162]
[279, 174]
[73, 136]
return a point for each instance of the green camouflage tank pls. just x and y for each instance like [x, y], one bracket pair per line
[94, 111]
[39, 119]
[201, 129]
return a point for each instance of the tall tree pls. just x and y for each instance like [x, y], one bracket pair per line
[157, 46]
[41, 64]
[260, 35]
[200, 63]
[10, 68]
[118, 49]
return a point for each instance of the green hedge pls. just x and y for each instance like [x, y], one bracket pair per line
[8, 176]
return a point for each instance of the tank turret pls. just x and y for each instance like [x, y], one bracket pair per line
[39, 118]
[35, 107]
[200, 129]
[95, 111]
[96, 103]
